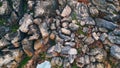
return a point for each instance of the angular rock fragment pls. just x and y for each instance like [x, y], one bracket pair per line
[66, 11]
[65, 31]
[25, 22]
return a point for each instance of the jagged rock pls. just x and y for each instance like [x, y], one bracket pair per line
[114, 39]
[89, 40]
[38, 44]
[96, 37]
[4, 43]
[3, 30]
[93, 11]
[25, 22]
[4, 8]
[72, 44]
[65, 31]
[56, 61]
[105, 24]
[73, 26]
[27, 47]
[66, 11]
[115, 51]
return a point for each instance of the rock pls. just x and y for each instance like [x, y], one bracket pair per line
[87, 60]
[85, 29]
[16, 4]
[115, 51]
[72, 44]
[5, 9]
[53, 27]
[66, 63]
[85, 49]
[72, 51]
[4, 43]
[100, 57]
[73, 26]
[25, 22]
[34, 32]
[103, 36]
[117, 32]
[103, 29]
[65, 31]
[66, 11]
[71, 58]
[38, 44]
[66, 38]
[58, 48]
[65, 50]
[27, 47]
[89, 40]
[100, 65]
[103, 23]
[80, 62]
[93, 11]
[92, 59]
[44, 30]
[30, 4]
[114, 39]
[91, 65]
[3, 30]
[5, 60]
[13, 18]
[56, 61]
[65, 24]
[95, 36]
[82, 10]
[89, 21]
[17, 55]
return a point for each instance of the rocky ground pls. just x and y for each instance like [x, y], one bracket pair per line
[66, 33]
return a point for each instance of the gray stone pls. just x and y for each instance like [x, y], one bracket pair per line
[25, 22]
[4, 9]
[66, 11]
[4, 43]
[103, 29]
[87, 59]
[93, 11]
[72, 44]
[115, 51]
[89, 21]
[96, 37]
[89, 40]
[103, 36]
[65, 31]
[116, 32]
[105, 24]
[73, 26]
[114, 39]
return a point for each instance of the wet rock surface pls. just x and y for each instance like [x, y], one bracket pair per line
[65, 33]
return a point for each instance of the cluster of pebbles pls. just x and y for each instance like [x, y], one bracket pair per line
[70, 32]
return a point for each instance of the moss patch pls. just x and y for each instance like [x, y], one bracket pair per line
[14, 28]
[0, 4]
[24, 62]
[2, 21]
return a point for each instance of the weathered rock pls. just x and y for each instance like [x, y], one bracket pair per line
[103, 29]
[100, 65]
[73, 26]
[72, 44]
[34, 31]
[38, 44]
[92, 59]
[103, 36]
[114, 39]
[25, 22]
[89, 21]
[5, 9]
[115, 51]
[66, 11]
[65, 50]
[85, 49]
[5, 60]
[3, 30]
[89, 40]
[65, 31]
[27, 47]
[93, 11]
[105, 24]
[72, 51]
[117, 32]
[95, 36]
[80, 62]
[4, 43]
[30, 4]
[87, 59]
[65, 24]
[56, 61]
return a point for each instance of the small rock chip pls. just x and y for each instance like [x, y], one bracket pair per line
[95, 36]
[73, 26]
[89, 40]
[65, 31]
[66, 11]
[38, 44]
[72, 51]
[115, 51]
